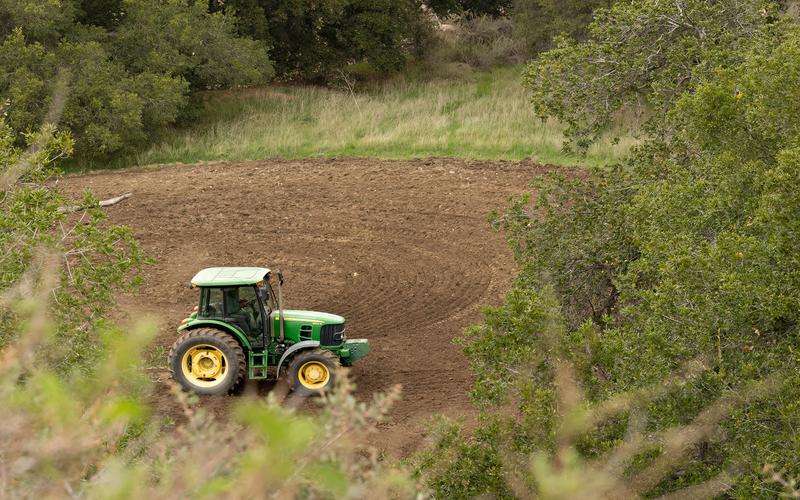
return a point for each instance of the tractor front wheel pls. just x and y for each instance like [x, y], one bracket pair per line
[207, 361]
[313, 372]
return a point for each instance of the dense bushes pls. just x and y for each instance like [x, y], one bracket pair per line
[481, 42]
[687, 251]
[445, 8]
[95, 258]
[539, 21]
[324, 41]
[643, 52]
[131, 72]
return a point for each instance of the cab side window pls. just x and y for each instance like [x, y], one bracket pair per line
[211, 303]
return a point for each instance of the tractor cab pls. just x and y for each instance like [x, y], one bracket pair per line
[239, 328]
[232, 299]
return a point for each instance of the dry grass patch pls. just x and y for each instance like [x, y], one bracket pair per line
[486, 116]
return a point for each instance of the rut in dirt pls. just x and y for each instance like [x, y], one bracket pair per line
[402, 249]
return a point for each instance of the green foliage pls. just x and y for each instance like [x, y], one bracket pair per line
[111, 110]
[43, 21]
[511, 330]
[326, 40]
[460, 466]
[481, 42]
[133, 65]
[24, 71]
[95, 436]
[98, 258]
[643, 52]
[687, 251]
[179, 39]
[445, 8]
[539, 436]
[539, 21]
[579, 256]
[105, 13]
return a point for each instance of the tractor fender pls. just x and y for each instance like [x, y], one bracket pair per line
[220, 325]
[305, 344]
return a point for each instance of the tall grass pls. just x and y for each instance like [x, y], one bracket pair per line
[485, 116]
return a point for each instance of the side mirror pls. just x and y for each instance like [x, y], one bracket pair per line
[280, 277]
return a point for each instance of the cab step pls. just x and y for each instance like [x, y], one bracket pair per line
[257, 365]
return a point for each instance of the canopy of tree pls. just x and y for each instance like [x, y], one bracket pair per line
[132, 65]
[686, 251]
[332, 39]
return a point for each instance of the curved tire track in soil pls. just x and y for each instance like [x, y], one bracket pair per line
[402, 249]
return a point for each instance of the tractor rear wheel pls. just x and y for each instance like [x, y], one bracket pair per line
[313, 372]
[207, 361]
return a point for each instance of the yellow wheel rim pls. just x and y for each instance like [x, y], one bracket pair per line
[313, 375]
[204, 365]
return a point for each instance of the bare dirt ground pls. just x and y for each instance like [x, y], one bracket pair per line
[402, 249]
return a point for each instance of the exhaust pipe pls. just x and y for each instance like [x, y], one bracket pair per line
[280, 309]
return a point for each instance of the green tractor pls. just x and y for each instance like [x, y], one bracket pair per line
[241, 329]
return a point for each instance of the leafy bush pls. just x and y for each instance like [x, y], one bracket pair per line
[98, 258]
[642, 52]
[540, 436]
[482, 42]
[537, 22]
[687, 251]
[131, 73]
[321, 41]
[446, 8]
[182, 39]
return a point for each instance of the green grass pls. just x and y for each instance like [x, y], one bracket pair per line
[487, 116]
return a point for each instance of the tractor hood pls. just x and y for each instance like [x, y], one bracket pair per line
[292, 315]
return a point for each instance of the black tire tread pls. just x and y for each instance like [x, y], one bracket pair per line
[302, 355]
[223, 337]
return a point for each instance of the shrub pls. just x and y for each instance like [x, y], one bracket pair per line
[537, 22]
[686, 251]
[643, 50]
[182, 39]
[132, 73]
[446, 8]
[111, 110]
[482, 42]
[540, 436]
[24, 71]
[318, 41]
[98, 257]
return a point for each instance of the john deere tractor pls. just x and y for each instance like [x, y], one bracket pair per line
[240, 329]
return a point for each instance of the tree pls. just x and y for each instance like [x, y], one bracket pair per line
[685, 252]
[134, 64]
[643, 52]
[182, 39]
[539, 21]
[445, 8]
[321, 41]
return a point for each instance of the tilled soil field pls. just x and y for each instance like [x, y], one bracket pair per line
[402, 249]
